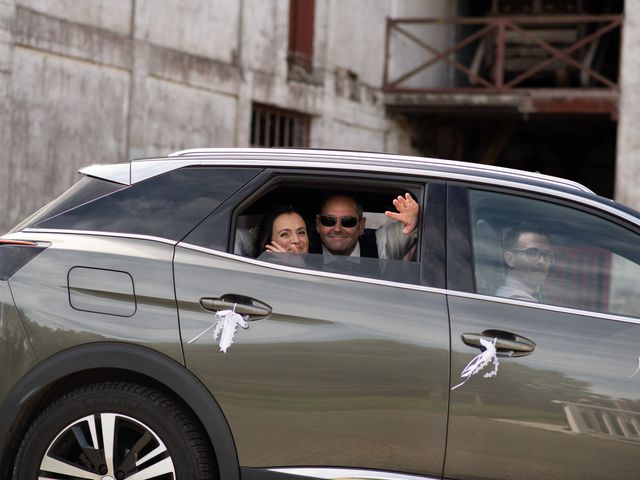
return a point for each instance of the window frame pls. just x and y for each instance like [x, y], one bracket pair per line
[301, 33]
[460, 256]
[293, 122]
[430, 255]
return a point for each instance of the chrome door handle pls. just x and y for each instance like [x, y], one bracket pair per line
[254, 309]
[507, 344]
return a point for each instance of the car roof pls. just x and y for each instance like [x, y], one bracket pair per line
[353, 158]
[140, 169]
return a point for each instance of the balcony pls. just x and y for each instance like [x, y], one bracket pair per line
[532, 63]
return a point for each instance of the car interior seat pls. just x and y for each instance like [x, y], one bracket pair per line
[489, 265]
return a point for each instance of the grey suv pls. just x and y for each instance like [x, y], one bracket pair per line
[143, 335]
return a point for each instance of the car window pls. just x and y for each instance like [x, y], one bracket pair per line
[538, 251]
[331, 241]
[166, 206]
[84, 191]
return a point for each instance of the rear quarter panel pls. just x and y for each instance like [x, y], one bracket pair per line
[42, 294]
[16, 354]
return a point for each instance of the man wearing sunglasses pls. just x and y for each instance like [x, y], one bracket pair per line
[341, 226]
[527, 256]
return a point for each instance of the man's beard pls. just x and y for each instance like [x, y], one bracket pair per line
[344, 247]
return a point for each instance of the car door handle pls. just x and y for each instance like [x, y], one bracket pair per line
[507, 344]
[254, 309]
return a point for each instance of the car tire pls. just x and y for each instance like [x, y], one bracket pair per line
[139, 422]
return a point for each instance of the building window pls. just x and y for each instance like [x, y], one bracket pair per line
[301, 13]
[275, 127]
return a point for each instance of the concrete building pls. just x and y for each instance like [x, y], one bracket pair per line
[103, 81]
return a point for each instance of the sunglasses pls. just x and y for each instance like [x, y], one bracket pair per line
[534, 254]
[331, 221]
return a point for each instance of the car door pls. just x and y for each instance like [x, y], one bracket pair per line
[334, 370]
[564, 402]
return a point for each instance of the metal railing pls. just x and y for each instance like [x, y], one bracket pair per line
[499, 54]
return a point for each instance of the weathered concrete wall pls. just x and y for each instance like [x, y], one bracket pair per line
[208, 28]
[364, 55]
[113, 15]
[406, 54]
[175, 119]
[107, 80]
[69, 115]
[354, 62]
[69, 95]
[7, 14]
[628, 147]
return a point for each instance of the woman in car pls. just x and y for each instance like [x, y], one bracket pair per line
[283, 230]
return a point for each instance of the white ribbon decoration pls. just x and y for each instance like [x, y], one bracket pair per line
[480, 361]
[225, 327]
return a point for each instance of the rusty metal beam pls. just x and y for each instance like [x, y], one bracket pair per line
[522, 102]
[500, 24]
[574, 105]
[523, 19]
[443, 56]
[563, 55]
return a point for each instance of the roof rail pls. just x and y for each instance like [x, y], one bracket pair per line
[196, 151]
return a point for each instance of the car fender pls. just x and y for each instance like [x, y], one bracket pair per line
[131, 358]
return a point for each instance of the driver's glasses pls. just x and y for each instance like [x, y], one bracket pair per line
[534, 254]
[331, 221]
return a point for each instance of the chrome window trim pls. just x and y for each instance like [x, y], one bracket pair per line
[347, 473]
[95, 233]
[542, 306]
[315, 273]
[387, 283]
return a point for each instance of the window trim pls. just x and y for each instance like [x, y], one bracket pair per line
[305, 271]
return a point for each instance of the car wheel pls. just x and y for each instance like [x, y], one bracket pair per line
[115, 431]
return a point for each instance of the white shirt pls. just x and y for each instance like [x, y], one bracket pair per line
[514, 288]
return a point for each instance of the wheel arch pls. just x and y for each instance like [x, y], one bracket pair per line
[93, 363]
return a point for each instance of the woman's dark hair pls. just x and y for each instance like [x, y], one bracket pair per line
[266, 225]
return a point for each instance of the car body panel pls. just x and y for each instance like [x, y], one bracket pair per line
[343, 372]
[16, 354]
[559, 410]
[569, 410]
[42, 294]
